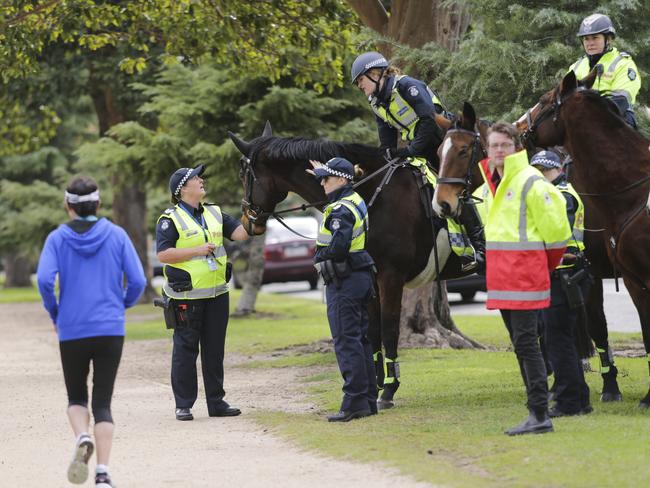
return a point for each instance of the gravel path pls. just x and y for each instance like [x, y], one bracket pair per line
[151, 448]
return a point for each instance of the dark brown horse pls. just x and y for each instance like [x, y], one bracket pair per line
[400, 237]
[611, 170]
[554, 122]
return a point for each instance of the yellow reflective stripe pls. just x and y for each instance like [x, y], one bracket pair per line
[523, 223]
[195, 294]
[515, 246]
[612, 66]
[177, 215]
[213, 211]
[523, 296]
[218, 253]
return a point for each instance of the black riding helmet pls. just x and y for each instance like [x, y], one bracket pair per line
[597, 24]
[364, 63]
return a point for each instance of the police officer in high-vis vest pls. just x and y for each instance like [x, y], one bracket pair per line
[347, 270]
[617, 75]
[526, 234]
[406, 107]
[569, 286]
[189, 238]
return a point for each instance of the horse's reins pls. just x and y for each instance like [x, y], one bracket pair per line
[249, 207]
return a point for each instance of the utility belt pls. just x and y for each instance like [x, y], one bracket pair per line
[334, 271]
[572, 281]
[181, 313]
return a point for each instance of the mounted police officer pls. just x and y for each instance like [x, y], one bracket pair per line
[407, 107]
[347, 270]
[617, 75]
[569, 285]
[189, 239]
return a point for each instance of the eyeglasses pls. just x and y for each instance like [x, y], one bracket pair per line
[501, 145]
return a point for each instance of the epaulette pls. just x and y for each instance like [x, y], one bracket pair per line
[168, 210]
[624, 54]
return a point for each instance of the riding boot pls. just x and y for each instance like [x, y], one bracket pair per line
[471, 221]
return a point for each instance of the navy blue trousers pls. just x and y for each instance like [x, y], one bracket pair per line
[560, 324]
[207, 328]
[347, 312]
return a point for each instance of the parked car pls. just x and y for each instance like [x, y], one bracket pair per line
[467, 286]
[289, 257]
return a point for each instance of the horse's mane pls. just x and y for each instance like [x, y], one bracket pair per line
[291, 149]
[605, 104]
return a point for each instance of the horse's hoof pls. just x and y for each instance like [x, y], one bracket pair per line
[643, 405]
[384, 404]
[611, 397]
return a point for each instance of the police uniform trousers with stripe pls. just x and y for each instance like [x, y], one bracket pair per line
[347, 312]
[208, 320]
[560, 329]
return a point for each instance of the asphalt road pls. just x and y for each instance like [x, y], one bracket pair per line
[619, 309]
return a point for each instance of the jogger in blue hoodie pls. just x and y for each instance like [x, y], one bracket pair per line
[91, 257]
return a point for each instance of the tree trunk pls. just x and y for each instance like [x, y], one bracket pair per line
[426, 320]
[251, 278]
[130, 199]
[415, 22]
[17, 271]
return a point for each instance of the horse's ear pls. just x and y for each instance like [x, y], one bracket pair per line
[469, 117]
[243, 146]
[268, 131]
[588, 81]
[569, 84]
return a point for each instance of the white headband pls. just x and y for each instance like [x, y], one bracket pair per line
[182, 182]
[91, 197]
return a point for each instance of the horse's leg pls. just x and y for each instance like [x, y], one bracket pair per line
[374, 335]
[641, 299]
[597, 325]
[391, 284]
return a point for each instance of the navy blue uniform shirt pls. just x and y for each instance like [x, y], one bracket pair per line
[340, 223]
[167, 235]
[427, 133]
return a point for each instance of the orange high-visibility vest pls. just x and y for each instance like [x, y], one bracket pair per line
[526, 234]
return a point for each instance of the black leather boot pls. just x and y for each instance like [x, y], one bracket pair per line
[535, 424]
[471, 221]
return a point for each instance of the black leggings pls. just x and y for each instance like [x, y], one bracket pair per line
[105, 353]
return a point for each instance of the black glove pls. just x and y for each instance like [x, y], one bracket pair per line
[401, 153]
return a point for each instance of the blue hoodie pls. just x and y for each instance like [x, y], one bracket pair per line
[91, 268]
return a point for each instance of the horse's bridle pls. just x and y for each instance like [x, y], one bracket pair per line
[478, 152]
[253, 212]
[528, 136]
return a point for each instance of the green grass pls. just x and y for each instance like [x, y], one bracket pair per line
[16, 295]
[281, 323]
[452, 408]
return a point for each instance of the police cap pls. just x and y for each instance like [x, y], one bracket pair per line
[182, 176]
[336, 167]
[547, 160]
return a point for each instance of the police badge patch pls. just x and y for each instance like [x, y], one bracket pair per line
[413, 91]
[335, 224]
[631, 74]
[164, 225]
